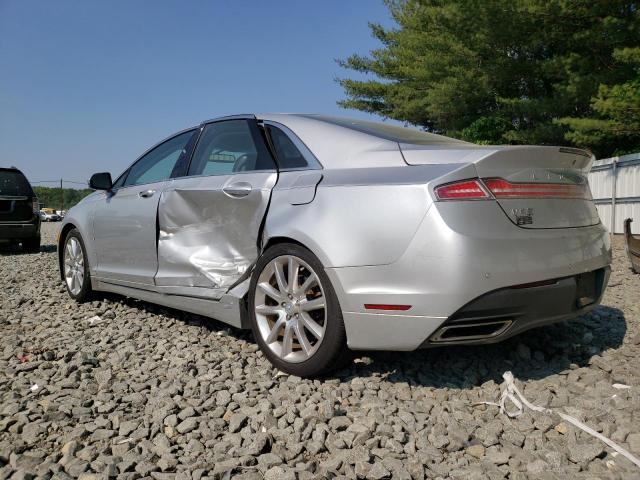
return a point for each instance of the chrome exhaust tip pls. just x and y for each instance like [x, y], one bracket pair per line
[470, 331]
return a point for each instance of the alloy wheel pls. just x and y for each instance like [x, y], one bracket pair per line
[290, 308]
[74, 265]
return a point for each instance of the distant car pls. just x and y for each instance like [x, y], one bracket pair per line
[321, 233]
[19, 218]
[47, 216]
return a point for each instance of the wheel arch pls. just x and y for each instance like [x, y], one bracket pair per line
[296, 237]
[283, 239]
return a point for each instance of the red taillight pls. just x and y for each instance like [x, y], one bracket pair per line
[35, 205]
[381, 306]
[465, 190]
[503, 189]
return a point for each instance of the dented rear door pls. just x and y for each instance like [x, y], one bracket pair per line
[209, 221]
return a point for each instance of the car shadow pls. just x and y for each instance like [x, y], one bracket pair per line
[531, 355]
[15, 249]
[192, 319]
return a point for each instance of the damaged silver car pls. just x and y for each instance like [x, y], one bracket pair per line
[323, 234]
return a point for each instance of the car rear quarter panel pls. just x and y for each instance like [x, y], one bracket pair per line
[357, 216]
[461, 251]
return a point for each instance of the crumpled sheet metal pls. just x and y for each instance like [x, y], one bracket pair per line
[203, 246]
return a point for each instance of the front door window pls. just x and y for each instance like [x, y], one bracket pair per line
[158, 164]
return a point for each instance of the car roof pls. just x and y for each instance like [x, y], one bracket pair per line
[343, 142]
[388, 131]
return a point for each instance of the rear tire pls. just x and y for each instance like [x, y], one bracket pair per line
[75, 267]
[299, 326]
[31, 245]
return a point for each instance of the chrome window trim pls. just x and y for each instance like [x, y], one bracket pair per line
[312, 161]
[243, 116]
[230, 174]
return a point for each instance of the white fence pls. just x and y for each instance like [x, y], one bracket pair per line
[615, 185]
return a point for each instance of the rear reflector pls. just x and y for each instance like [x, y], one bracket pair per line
[503, 189]
[378, 306]
[465, 190]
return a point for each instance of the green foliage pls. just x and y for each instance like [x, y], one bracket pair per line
[615, 127]
[507, 71]
[50, 197]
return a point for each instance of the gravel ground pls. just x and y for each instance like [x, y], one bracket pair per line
[121, 388]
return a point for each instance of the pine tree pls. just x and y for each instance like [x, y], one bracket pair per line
[506, 71]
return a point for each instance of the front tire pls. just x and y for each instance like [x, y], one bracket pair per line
[294, 312]
[75, 267]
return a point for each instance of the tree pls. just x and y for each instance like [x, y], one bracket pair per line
[50, 197]
[615, 127]
[503, 71]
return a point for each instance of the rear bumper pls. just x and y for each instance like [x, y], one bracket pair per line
[19, 230]
[457, 256]
[506, 312]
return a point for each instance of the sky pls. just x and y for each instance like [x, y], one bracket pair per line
[88, 86]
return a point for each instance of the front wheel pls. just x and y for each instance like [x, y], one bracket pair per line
[76, 267]
[294, 312]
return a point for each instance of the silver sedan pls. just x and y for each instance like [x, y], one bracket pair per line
[324, 234]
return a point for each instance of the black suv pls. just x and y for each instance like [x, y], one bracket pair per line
[19, 210]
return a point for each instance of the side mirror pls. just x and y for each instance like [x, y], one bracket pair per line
[101, 181]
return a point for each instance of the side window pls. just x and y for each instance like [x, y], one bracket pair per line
[158, 164]
[120, 181]
[288, 153]
[228, 147]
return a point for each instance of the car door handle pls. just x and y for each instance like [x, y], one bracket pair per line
[146, 193]
[238, 190]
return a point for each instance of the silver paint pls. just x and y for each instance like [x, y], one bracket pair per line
[208, 233]
[124, 233]
[370, 216]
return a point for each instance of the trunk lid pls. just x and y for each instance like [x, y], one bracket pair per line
[536, 187]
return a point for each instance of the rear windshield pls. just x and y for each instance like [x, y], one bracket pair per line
[14, 183]
[388, 132]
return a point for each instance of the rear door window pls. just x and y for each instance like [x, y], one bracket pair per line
[14, 183]
[229, 147]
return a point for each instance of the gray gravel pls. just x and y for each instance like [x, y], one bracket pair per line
[130, 390]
